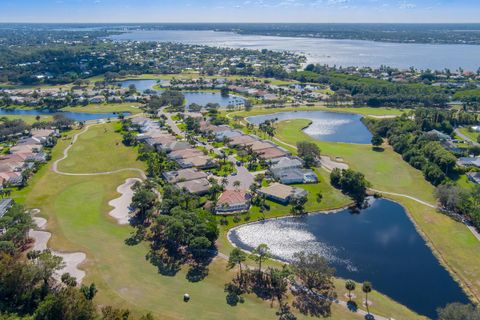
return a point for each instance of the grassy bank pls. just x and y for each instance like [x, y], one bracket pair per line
[453, 243]
[365, 111]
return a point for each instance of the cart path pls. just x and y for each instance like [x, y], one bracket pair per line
[65, 156]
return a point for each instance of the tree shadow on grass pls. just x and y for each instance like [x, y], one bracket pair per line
[166, 265]
[197, 272]
[378, 149]
[352, 306]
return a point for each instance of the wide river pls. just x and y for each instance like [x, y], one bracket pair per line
[329, 51]
[380, 244]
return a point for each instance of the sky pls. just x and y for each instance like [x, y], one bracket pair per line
[321, 11]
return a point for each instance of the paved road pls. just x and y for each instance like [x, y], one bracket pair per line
[466, 138]
[170, 122]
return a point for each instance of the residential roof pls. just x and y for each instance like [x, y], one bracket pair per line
[198, 161]
[5, 204]
[260, 145]
[232, 197]
[185, 153]
[197, 186]
[286, 162]
[240, 140]
[469, 161]
[281, 191]
[271, 153]
[184, 175]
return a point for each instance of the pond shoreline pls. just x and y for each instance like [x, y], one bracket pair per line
[438, 256]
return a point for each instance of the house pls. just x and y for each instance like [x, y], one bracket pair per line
[474, 177]
[469, 162]
[183, 175]
[231, 201]
[295, 175]
[257, 146]
[241, 140]
[173, 146]
[271, 153]
[440, 135]
[201, 162]
[286, 163]
[97, 99]
[185, 153]
[228, 134]
[198, 186]
[5, 205]
[282, 193]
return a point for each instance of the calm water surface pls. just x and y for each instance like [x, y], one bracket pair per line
[329, 51]
[326, 126]
[200, 98]
[380, 245]
[77, 116]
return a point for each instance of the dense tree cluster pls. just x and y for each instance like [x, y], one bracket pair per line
[309, 152]
[352, 183]
[457, 200]
[421, 150]
[375, 92]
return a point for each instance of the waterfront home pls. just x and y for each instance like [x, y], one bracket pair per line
[295, 175]
[286, 163]
[231, 201]
[469, 162]
[97, 99]
[183, 175]
[282, 193]
[197, 186]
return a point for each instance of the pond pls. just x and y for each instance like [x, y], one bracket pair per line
[380, 244]
[326, 126]
[76, 116]
[198, 97]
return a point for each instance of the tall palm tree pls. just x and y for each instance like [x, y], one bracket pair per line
[367, 288]
[260, 254]
[237, 257]
[350, 286]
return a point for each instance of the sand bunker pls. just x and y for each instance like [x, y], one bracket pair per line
[71, 259]
[121, 205]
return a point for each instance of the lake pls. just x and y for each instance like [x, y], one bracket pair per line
[326, 126]
[329, 51]
[380, 244]
[198, 97]
[77, 116]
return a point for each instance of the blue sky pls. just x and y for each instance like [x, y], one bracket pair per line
[240, 11]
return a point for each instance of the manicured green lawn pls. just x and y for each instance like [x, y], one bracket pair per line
[107, 108]
[365, 111]
[471, 134]
[386, 170]
[76, 209]
[27, 118]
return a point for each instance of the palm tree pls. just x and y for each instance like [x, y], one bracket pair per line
[350, 286]
[260, 254]
[236, 257]
[367, 288]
